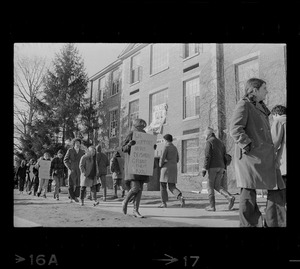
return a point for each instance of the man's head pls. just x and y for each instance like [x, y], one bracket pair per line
[208, 131]
[91, 150]
[278, 110]
[60, 154]
[77, 143]
[168, 138]
[47, 155]
[256, 89]
[139, 124]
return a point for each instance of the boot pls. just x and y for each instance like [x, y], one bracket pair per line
[182, 200]
[130, 195]
[229, 197]
[136, 205]
[211, 206]
[116, 192]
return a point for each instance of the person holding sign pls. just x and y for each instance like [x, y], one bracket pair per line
[168, 173]
[43, 165]
[137, 180]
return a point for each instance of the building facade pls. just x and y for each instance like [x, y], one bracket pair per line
[196, 85]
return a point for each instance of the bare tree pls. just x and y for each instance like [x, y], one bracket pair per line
[28, 80]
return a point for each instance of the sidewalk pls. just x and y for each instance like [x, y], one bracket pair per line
[109, 213]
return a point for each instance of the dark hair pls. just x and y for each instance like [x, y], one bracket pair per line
[75, 140]
[279, 109]
[251, 84]
[60, 152]
[168, 137]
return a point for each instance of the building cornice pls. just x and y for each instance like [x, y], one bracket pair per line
[106, 69]
[136, 48]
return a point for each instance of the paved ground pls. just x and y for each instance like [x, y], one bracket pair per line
[32, 211]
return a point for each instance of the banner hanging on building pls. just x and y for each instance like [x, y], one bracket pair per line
[141, 158]
[158, 118]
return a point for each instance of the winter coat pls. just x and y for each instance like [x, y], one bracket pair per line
[102, 162]
[21, 172]
[278, 132]
[214, 153]
[256, 169]
[168, 163]
[71, 161]
[85, 165]
[117, 167]
[57, 167]
[37, 165]
[126, 148]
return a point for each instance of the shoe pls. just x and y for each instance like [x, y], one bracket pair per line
[44, 196]
[231, 203]
[82, 202]
[163, 205]
[182, 201]
[29, 193]
[210, 208]
[96, 203]
[54, 196]
[137, 214]
[57, 199]
[76, 200]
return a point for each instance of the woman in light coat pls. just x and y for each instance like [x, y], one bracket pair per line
[168, 173]
[254, 155]
[88, 177]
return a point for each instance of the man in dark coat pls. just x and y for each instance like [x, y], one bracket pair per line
[214, 164]
[102, 164]
[254, 157]
[71, 161]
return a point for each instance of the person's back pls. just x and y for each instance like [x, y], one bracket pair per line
[216, 152]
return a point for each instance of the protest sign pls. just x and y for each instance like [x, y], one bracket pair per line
[44, 169]
[142, 154]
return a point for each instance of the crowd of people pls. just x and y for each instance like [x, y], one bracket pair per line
[259, 161]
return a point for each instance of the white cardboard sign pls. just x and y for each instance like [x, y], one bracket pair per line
[44, 169]
[141, 158]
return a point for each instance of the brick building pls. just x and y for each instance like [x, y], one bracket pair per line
[198, 85]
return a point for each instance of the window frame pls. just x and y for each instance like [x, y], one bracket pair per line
[115, 121]
[129, 112]
[184, 157]
[151, 102]
[184, 116]
[152, 59]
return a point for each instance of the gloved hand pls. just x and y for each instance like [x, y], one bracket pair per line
[203, 172]
[132, 142]
[155, 146]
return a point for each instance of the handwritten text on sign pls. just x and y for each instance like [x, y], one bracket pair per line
[142, 154]
[44, 169]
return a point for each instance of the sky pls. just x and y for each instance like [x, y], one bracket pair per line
[96, 56]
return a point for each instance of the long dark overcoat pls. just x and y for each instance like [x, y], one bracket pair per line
[256, 169]
[71, 161]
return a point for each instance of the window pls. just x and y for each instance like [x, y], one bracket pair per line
[191, 91]
[133, 111]
[101, 88]
[243, 72]
[115, 82]
[191, 49]
[135, 69]
[159, 57]
[113, 123]
[157, 99]
[190, 156]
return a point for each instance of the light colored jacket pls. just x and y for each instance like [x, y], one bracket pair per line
[278, 131]
[168, 163]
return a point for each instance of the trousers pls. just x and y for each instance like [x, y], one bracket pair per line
[164, 193]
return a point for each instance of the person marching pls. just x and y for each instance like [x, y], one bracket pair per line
[43, 182]
[21, 176]
[255, 158]
[215, 165]
[136, 180]
[31, 170]
[71, 161]
[117, 169]
[102, 164]
[168, 173]
[57, 171]
[88, 177]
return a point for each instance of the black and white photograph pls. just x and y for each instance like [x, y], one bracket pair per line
[150, 134]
